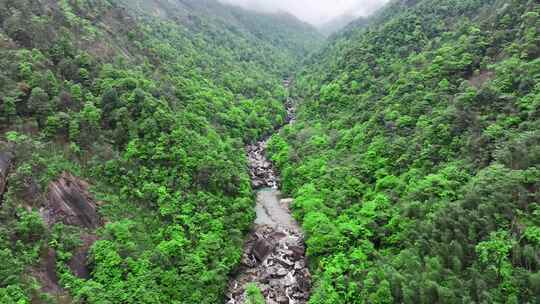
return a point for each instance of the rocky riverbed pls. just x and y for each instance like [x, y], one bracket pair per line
[274, 254]
[261, 171]
[260, 168]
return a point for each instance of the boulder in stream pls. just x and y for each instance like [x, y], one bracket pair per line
[262, 248]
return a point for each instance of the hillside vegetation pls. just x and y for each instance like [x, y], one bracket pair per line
[140, 109]
[414, 161]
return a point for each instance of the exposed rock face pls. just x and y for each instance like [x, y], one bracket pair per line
[69, 201]
[5, 163]
[45, 273]
[78, 263]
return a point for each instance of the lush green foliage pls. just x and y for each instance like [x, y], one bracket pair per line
[154, 112]
[414, 161]
[254, 294]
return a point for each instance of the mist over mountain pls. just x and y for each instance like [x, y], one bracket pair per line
[315, 12]
[339, 23]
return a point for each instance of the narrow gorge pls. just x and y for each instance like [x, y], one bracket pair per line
[274, 254]
[266, 152]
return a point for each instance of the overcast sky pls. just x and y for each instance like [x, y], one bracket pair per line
[314, 11]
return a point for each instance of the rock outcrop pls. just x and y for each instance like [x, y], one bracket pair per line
[46, 274]
[5, 163]
[69, 201]
[79, 261]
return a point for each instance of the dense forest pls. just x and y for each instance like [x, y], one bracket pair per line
[414, 160]
[413, 157]
[123, 128]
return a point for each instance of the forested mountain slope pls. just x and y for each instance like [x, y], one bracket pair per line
[414, 160]
[282, 34]
[123, 134]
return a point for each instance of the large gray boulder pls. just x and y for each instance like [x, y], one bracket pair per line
[262, 248]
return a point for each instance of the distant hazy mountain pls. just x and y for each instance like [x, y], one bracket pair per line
[337, 23]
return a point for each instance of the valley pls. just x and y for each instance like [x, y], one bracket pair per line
[198, 152]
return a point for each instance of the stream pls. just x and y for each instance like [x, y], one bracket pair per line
[274, 253]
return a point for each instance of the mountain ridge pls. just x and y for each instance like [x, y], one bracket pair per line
[403, 159]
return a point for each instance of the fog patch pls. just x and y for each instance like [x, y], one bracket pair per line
[315, 12]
